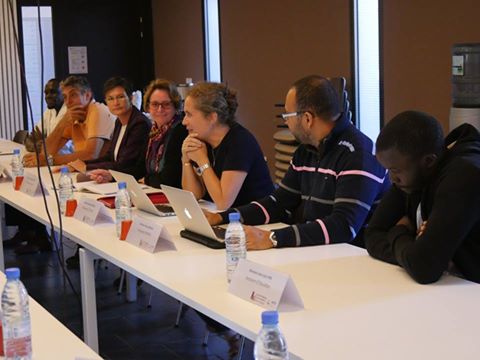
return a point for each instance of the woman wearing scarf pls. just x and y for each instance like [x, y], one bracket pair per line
[163, 158]
[162, 162]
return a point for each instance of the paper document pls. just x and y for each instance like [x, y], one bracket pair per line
[93, 187]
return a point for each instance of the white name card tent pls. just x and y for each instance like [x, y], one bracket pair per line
[264, 286]
[5, 171]
[92, 212]
[149, 236]
[31, 185]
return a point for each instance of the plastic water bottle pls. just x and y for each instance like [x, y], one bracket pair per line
[17, 336]
[17, 165]
[65, 189]
[234, 243]
[123, 207]
[270, 343]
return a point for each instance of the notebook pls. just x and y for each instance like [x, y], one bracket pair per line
[156, 198]
[194, 221]
[139, 197]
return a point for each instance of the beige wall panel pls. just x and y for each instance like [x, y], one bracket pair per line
[178, 39]
[417, 41]
[268, 44]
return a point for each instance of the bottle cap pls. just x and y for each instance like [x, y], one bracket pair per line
[16, 151]
[12, 273]
[64, 170]
[234, 216]
[122, 185]
[269, 318]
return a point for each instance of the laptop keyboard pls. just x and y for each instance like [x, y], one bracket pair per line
[164, 208]
[219, 232]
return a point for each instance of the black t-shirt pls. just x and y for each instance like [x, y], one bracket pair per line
[239, 151]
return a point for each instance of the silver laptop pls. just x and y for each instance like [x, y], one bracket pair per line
[140, 198]
[193, 219]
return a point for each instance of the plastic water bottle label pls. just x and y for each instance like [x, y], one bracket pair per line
[235, 249]
[19, 344]
[124, 213]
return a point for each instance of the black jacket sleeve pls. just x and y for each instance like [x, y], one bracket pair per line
[391, 209]
[454, 212]
[171, 164]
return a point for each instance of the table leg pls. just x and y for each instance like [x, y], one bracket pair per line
[131, 293]
[89, 300]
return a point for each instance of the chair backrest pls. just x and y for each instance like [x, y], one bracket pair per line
[340, 83]
[20, 136]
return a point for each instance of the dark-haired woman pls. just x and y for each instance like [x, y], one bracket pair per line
[129, 135]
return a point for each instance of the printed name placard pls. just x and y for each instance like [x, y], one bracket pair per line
[149, 236]
[5, 171]
[264, 286]
[91, 212]
[31, 185]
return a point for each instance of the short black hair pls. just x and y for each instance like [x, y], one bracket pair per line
[316, 94]
[115, 81]
[55, 81]
[412, 133]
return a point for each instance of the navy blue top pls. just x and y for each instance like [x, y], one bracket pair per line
[239, 151]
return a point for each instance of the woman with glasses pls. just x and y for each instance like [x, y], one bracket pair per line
[129, 135]
[160, 163]
[222, 160]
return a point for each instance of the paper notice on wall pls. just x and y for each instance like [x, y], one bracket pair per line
[458, 65]
[77, 60]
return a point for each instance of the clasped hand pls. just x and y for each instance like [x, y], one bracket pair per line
[194, 149]
[100, 176]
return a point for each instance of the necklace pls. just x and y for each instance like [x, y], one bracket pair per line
[214, 155]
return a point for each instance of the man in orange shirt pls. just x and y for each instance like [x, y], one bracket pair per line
[87, 123]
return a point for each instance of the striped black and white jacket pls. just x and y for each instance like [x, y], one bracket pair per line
[327, 194]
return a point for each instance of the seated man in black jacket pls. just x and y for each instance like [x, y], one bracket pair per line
[333, 181]
[429, 221]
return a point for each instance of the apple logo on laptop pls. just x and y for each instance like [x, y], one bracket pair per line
[187, 213]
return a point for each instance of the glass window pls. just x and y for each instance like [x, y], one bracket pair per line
[212, 41]
[367, 66]
[32, 56]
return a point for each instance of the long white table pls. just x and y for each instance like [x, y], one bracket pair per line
[52, 340]
[355, 307]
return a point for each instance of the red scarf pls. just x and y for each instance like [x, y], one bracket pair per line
[156, 145]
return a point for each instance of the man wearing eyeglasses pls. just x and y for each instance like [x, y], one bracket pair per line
[332, 183]
[87, 123]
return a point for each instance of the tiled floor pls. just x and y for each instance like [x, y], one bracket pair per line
[126, 330]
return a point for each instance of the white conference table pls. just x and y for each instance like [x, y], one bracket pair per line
[355, 306]
[52, 340]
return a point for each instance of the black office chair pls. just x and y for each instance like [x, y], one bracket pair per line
[339, 83]
[20, 136]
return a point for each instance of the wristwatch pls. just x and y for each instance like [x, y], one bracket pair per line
[273, 239]
[199, 170]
